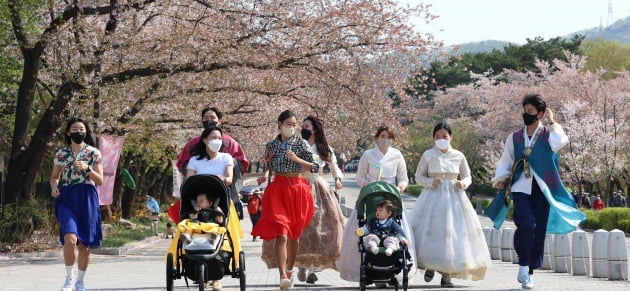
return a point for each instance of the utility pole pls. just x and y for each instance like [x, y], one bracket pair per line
[610, 14]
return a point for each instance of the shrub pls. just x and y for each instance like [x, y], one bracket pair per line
[624, 225]
[413, 189]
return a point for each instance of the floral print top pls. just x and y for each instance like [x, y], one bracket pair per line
[65, 159]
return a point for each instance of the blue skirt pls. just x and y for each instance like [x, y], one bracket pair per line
[77, 210]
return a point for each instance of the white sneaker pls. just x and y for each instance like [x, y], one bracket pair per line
[285, 283]
[68, 285]
[523, 274]
[79, 286]
[529, 284]
[389, 252]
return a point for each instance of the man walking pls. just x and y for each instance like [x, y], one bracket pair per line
[528, 174]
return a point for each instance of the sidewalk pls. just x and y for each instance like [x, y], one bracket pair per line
[141, 267]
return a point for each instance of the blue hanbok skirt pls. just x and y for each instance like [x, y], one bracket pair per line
[77, 210]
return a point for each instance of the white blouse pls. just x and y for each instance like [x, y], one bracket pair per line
[389, 167]
[557, 140]
[436, 163]
[334, 168]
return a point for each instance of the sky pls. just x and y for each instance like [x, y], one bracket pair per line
[464, 21]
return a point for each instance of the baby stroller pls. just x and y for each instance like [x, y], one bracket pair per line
[380, 268]
[206, 256]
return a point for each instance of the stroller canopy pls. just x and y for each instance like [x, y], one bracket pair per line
[212, 185]
[375, 192]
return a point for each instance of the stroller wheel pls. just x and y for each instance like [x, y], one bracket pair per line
[201, 270]
[241, 263]
[362, 279]
[169, 272]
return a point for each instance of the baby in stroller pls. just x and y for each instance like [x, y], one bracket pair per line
[203, 220]
[382, 229]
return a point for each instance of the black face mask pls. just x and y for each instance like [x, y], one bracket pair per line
[306, 134]
[209, 123]
[78, 136]
[529, 118]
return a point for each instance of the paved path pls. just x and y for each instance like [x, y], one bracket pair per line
[141, 267]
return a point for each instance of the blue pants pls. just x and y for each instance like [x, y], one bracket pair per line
[531, 213]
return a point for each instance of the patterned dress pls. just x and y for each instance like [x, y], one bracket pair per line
[77, 206]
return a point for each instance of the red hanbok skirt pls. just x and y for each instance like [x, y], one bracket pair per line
[287, 208]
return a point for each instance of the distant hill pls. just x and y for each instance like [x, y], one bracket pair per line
[618, 31]
[485, 46]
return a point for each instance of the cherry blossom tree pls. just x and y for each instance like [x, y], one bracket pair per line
[594, 113]
[145, 67]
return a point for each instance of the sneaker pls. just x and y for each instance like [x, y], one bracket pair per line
[374, 250]
[79, 286]
[389, 251]
[312, 278]
[301, 274]
[67, 286]
[523, 274]
[428, 275]
[285, 282]
[216, 285]
[529, 284]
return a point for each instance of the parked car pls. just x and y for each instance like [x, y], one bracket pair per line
[247, 191]
[352, 166]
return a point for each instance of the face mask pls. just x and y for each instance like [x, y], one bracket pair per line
[442, 143]
[288, 131]
[384, 142]
[78, 136]
[209, 123]
[306, 134]
[215, 145]
[529, 118]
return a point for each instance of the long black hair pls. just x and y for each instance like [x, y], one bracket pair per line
[89, 138]
[320, 138]
[200, 147]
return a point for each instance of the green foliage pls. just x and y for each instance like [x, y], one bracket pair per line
[608, 55]
[624, 225]
[413, 189]
[521, 58]
[608, 219]
[592, 219]
[16, 225]
[125, 235]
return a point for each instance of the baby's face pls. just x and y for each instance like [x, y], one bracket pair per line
[202, 201]
[382, 213]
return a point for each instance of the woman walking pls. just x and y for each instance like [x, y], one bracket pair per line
[79, 168]
[287, 202]
[448, 235]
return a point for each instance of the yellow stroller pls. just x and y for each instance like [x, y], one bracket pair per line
[214, 250]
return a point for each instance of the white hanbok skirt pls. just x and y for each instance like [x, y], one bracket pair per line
[448, 235]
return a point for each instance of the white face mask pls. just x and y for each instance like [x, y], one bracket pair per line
[287, 131]
[442, 143]
[215, 145]
[384, 142]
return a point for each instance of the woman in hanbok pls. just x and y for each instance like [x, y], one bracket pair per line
[448, 235]
[381, 163]
[321, 239]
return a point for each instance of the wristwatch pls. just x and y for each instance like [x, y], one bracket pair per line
[89, 169]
